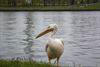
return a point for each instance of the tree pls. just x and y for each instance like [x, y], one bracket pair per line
[95, 1]
[14, 2]
[71, 2]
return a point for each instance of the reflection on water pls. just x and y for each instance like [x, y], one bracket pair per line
[79, 30]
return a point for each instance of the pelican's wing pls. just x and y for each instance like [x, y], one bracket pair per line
[46, 47]
[62, 41]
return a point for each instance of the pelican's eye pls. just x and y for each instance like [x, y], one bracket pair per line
[48, 26]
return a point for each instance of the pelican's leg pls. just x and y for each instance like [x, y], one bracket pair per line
[55, 61]
[58, 62]
[49, 60]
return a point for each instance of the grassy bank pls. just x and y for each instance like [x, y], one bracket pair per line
[44, 8]
[16, 63]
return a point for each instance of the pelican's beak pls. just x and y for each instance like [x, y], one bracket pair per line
[44, 32]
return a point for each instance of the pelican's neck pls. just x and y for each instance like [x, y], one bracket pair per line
[52, 34]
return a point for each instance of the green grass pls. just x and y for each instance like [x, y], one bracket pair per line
[73, 7]
[29, 63]
[16, 63]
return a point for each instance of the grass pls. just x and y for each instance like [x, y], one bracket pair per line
[44, 8]
[29, 63]
[17, 63]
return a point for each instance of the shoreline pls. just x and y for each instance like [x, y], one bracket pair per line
[90, 7]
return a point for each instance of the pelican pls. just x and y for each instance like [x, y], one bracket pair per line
[54, 47]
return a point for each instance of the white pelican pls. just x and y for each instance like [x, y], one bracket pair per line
[54, 46]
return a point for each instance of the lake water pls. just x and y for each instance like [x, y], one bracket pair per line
[79, 30]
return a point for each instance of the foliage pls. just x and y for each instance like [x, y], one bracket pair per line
[46, 2]
[17, 63]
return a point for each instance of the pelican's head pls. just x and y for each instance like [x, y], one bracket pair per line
[51, 28]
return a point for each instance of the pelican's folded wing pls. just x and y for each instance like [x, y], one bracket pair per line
[46, 47]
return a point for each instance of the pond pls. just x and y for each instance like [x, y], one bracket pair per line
[80, 32]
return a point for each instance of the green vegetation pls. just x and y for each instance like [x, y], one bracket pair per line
[45, 2]
[73, 7]
[16, 63]
[29, 63]
[49, 4]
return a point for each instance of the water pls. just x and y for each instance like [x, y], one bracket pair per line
[79, 30]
